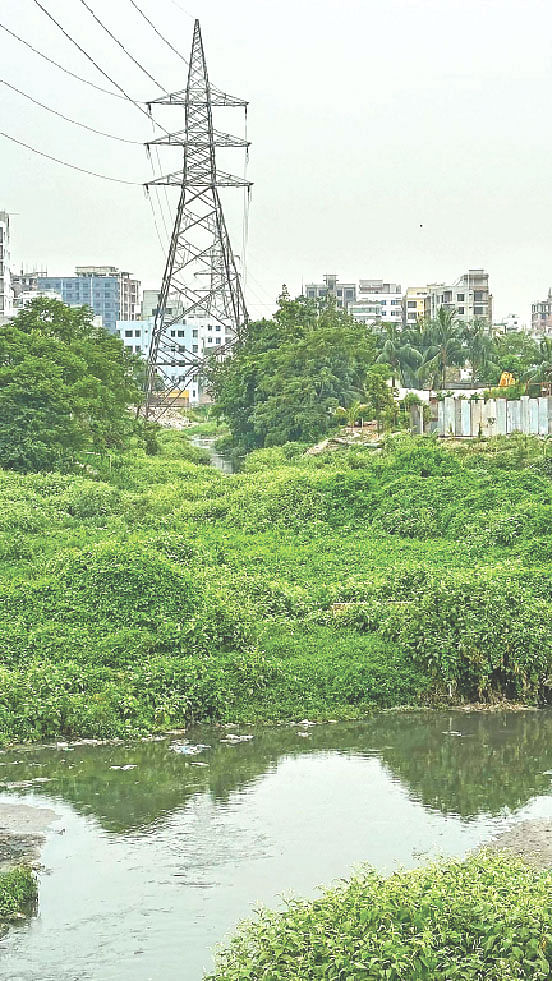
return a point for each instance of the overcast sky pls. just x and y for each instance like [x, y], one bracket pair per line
[397, 140]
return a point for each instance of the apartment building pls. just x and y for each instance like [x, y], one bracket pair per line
[344, 293]
[189, 341]
[468, 297]
[112, 295]
[541, 316]
[6, 298]
[378, 302]
[414, 305]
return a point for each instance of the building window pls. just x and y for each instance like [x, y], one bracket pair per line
[195, 349]
[478, 296]
[195, 333]
[218, 327]
[209, 326]
[182, 333]
[461, 310]
[137, 333]
[460, 297]
[311, 294]
[128, 333]
[173, 333]
[340, 292]
[412, 304]
[137, 349]
[478, 311]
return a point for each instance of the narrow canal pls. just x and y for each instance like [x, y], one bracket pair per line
[160, 847]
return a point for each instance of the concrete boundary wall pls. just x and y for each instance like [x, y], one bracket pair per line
[471, 418]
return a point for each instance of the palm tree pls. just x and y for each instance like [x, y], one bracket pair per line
[479, 345]
[444, 348]
[401, 356]
[542, 372]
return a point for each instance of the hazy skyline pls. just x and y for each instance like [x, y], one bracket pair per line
[400, 141]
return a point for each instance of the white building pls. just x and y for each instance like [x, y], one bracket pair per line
[509, 324]
[344, 293]
[468, 297]
[377, 302]
[6, 298]
[197, 337]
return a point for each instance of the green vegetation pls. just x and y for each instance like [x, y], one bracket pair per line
[18, 893]
[155, 590]
[489, 917]
[288, 375]
[65, 387]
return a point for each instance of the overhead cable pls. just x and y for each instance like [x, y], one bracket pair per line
[122, 47]
[91, 173]
[158, 32]
[74, 122]
[92, 62]
[99, 88]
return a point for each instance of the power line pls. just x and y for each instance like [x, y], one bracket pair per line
[158, 32]
[122, 47]
[92, 62]
[74, 122]
[91, 173]
[62, 68]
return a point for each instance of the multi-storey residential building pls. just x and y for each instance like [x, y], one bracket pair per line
[150, 301]
[129, 288]
[25, 282]
[509, 324]
[6, 300]
[414, 305]
[541, 319]
[109, 292]
[377, 302]
[344, 293]
[194, 336]
[469, 297]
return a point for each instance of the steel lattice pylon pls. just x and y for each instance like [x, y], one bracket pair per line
[201, 274]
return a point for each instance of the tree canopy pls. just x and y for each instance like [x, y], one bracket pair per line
[288, 375]
[65, 387]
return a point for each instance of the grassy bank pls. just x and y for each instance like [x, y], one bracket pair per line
[18, 894]
[488, 917]
[154, 590]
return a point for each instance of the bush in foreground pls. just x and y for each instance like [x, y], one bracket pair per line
[489, 917]
[17, 893]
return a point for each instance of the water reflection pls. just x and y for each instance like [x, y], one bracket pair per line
[159, 860]
[458, 763]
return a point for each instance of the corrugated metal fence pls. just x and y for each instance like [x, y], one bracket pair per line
[461, 417]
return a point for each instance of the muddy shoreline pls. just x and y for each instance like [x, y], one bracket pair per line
[529, 840]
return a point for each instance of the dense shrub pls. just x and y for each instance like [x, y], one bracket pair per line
[489, 917]
[18, 893]
[159, 591]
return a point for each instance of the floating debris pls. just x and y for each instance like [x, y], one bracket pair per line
[233, 738]
[125, 766]
[188, 749]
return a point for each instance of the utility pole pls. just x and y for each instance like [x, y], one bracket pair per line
[201, 281]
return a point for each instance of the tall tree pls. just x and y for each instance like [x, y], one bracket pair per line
[479, 346]
[288, 375]
[400, 354]
[65, 387]
[445, 347]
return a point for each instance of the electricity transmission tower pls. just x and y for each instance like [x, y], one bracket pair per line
[201, 280]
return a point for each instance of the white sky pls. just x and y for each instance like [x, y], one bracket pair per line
[368, 120]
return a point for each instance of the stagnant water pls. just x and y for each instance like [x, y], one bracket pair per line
[157, 863]
[207, 443]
